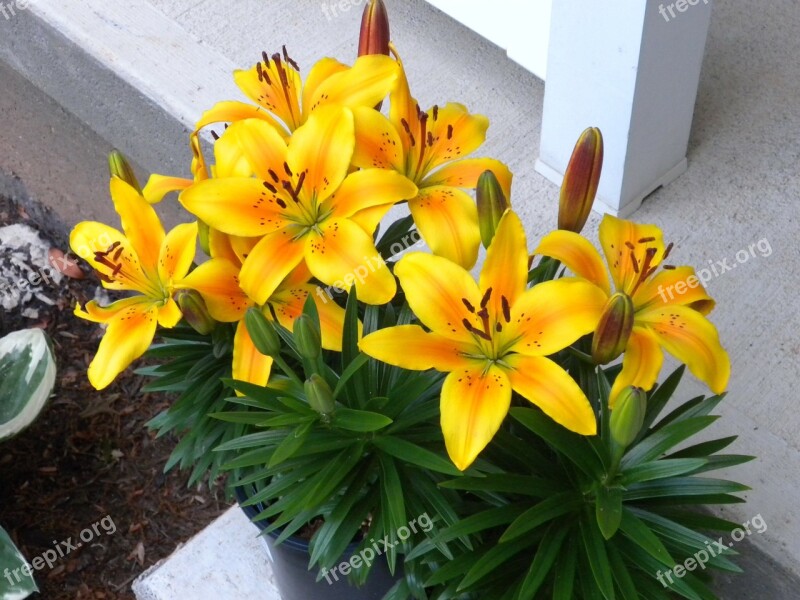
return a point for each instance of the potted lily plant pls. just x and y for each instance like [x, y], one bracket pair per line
[396, 427]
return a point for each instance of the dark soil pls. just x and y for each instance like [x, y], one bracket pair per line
[89, 456]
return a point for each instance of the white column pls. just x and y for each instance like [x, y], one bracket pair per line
[632, 69]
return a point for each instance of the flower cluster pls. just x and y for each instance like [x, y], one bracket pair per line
[300, 182]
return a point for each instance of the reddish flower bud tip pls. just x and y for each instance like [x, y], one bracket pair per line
[195, 311]
[375, 31]
[580, 181]
[614, 330]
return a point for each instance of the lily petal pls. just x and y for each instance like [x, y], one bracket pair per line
[410, 347]
[220, 246]
[447, 218]
[288, 304]
[89, 237]
[321, 150]
[577, 254]
[129, 334]
[552, 315]
[623, 241]
[158, 186]
[436, 289]
[217, 280]
[366, 83]
[248, 363]
[369, 218]
[169, 314]
[679, 286]
[369, 188]
[543, 383]
[474, 404]
[641, 363]
[465, 173]
[378, 144]
[320, 72]
[139, 222]
[344, 255]
[277, 89]
[692, 339]
[268, 264]
[258, 143]
[177, 253]
[95, 313]
[456, 133]
[231, 111]
[238, 206]
[505, 271]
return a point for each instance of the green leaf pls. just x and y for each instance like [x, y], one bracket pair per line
[357, 388]
[722, 461]
[564, 575]
[697, 407]
[487, 519]
[291, 444]
[495, 558]
[359, 420]
[507, 483]
[660, 397]
[546, 555]
[622, 576]
[29, 376]
[571, 445]
[608, 510]
[595, 548]
[705, 449]
[661, 469]
[15, 585]
[656, 444]
[354, 367]
[640, 534]
[415, 455]
[543, 512]
[392, 505]
[682, 486]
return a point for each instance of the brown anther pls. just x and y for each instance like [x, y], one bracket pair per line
[670, 267]
[118, 253]
[435, 113]
[287, 169]
[260, 72]
[300, 182]
[449, 132]
[498, 327]
[430, 139]
[289, 60]
[486, 297]
[280, 203]
[215, 135]
[506, 309]
[646, 240]
[265, 56]
[274, 176]
[668, 250]
[630, 245]
[469, 306]
[270, 187]
[635, 263]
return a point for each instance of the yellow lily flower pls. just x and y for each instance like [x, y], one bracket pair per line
[281, 99]
[217, 280]
[492, 336]
[663, 317]
[303, 201]
[143, 259]
[428, 148]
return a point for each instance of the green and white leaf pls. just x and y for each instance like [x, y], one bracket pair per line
[29, 375]
[10, 561]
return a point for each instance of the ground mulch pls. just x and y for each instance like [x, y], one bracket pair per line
[88, 457]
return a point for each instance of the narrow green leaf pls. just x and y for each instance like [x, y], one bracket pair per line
[608, 510]
[595, 548]
[415, 455]
[661, 469]
[543, 512]
[359, 420]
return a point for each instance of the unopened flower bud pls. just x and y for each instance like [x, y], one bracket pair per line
[307, 337]
[319, 395]
[118, 166]
[581, 179]
[204, 236]
[492, 203]
[627, 418]
[614, 330]
[375, 32]
[195, 311]
[263, 334]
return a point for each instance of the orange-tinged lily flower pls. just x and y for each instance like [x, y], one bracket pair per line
[303, 201]
[492, 336]
[663, 318]
[217, 281]
[282, 100]
[143, 259]
[429, 148]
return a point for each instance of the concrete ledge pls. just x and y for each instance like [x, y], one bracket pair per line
[135, 76]
[225, 560]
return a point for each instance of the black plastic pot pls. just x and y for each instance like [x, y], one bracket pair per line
[290, 561]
